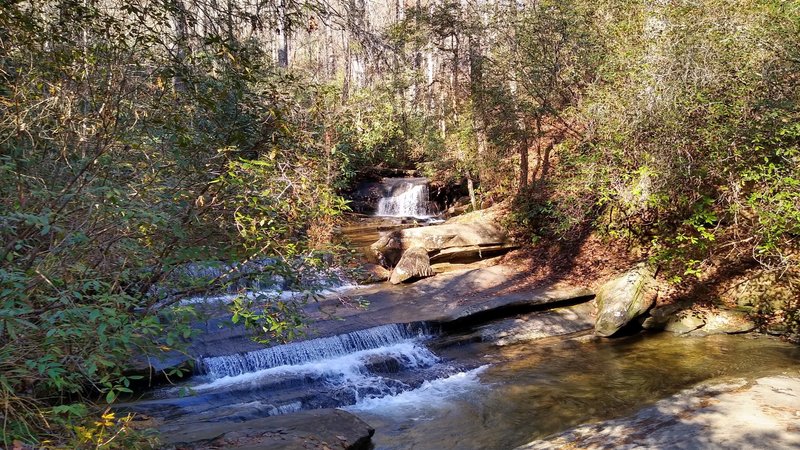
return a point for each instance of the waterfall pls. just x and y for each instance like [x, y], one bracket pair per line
[330, 372]
[308, 351]
[405, 197]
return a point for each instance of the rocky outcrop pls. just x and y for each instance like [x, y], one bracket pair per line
[412, 265]
[735, 414]
[444, 243]
[538, 325]
[321, 428]
[625, 298]
[698, 321]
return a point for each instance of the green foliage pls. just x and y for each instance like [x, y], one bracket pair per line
[120, 164]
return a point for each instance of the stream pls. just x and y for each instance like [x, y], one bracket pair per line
[529, 391]
[422, 388]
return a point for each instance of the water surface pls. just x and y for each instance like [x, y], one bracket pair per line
[533, 390]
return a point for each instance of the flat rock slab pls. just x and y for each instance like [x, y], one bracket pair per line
[458, 296]
[540, 325]
[320, 428]
[764, 414]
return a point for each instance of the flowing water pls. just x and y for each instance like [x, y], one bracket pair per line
[326, 372]
[525, 392]
[406, 197]
[422, 391]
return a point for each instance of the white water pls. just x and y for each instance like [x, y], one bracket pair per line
[411, 201]
[432, 395]
[306, 351]
[268, 295]
[347, 371]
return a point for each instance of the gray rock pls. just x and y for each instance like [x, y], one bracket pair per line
[444, 243]
[624, 298]
[730, 415]
[331, 428]
[539, 325]
[373, 273]
[681, 319]
[685, 322]
[413, 264]
[727, 321]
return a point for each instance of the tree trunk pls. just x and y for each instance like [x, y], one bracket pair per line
[471, 189]
[546, 155]
[283, 35]
[181, 28]
[523, 163]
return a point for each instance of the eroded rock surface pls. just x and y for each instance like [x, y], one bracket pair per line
[444, 243]
[321, 428]
[413, 264]
[698, 321]
[625, 298]
[734, 415]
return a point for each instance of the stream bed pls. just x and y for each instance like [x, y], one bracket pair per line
[527, 391]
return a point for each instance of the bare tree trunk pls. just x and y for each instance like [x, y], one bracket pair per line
[283, 35]
[180, 25]
[348, 64]
[471, 190]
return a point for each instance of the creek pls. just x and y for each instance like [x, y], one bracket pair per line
[425, 386]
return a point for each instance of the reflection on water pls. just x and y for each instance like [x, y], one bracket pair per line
[531, 391]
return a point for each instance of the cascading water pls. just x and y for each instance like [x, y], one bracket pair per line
[336, 371]
[405, 197]
[309, 351]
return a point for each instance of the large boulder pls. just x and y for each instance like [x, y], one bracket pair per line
[625, 298]
[413, 264]
[444, 243]
[698, 321]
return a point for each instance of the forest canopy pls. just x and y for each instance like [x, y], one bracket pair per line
[139, 137]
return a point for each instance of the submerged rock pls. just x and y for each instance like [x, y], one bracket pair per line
[624, 298]
[413, 264]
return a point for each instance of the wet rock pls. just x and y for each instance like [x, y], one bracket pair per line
[736, 414]
[323, 428]
[383, 364]
[412, 265]
[625, 298]
[373, 273]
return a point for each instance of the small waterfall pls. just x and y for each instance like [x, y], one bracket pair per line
[331, 372]
[405, 197]
[308, 351]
